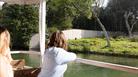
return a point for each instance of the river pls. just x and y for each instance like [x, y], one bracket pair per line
[83, 70]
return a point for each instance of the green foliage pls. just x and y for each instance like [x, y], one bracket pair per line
[113, 15]
[134, 39]
[22, 22]
[0, 16]
[86, 48]
[119, 46]
[51, 30]
[79, 7]
[61, 13]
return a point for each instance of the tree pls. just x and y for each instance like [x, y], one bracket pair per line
[61, 13]
[95, 12]
[113, 15]
[130, 20]
[57, 16]
[87, 11]
[22, 22]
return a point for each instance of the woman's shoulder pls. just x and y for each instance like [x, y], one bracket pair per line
[58, 48]
[55, 50]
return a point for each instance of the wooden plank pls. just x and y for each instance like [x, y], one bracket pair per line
[109, 65]
[27, 72]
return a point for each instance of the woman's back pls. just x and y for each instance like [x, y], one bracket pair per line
[55, 62]
[56, 57]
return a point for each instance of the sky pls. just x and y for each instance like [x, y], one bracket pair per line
[105, 3]
[102, 3]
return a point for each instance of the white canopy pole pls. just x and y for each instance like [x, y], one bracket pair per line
[42, 19]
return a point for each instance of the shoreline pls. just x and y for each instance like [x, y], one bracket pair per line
[107, 54]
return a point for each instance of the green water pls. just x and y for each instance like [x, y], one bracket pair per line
[83, 70]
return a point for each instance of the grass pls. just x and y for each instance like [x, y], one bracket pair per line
[118, 46]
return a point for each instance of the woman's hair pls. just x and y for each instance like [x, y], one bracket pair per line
[58, 39]
[4, 40]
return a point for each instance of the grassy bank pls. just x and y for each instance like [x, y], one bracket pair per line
[119, 46]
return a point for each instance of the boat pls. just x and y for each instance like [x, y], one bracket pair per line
[20, 70]
[27, 72]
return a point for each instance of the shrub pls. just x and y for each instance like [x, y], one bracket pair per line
[22, 22]
[118, 46]
[134, 39]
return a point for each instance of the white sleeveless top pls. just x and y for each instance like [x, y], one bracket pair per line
[55, 62]
[5, 66]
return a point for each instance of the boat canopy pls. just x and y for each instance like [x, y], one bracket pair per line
[21, 2]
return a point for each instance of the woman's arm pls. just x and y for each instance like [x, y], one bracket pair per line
[65, 57]
[8, 55]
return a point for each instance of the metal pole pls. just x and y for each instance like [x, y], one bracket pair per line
[42, 19]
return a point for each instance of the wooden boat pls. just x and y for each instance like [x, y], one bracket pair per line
[20, 70]
[27, 72]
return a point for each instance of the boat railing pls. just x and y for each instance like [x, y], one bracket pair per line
[125, 68]
[108, 65]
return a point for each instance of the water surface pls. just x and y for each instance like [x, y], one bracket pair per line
[83, 70]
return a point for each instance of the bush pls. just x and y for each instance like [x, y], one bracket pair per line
[22, 22]
[134, 39]
[86, 48]
[51, 30]
[118, 46]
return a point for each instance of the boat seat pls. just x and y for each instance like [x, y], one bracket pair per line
[18, 64]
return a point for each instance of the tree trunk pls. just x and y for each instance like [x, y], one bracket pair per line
[126, 15]
[103, 28]
[128, 28]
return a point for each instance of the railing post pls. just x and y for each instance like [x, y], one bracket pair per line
[42, 24]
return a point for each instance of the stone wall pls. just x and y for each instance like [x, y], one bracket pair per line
[77, 33]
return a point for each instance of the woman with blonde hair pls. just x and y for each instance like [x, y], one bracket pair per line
[56, 56]
[5, 56]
